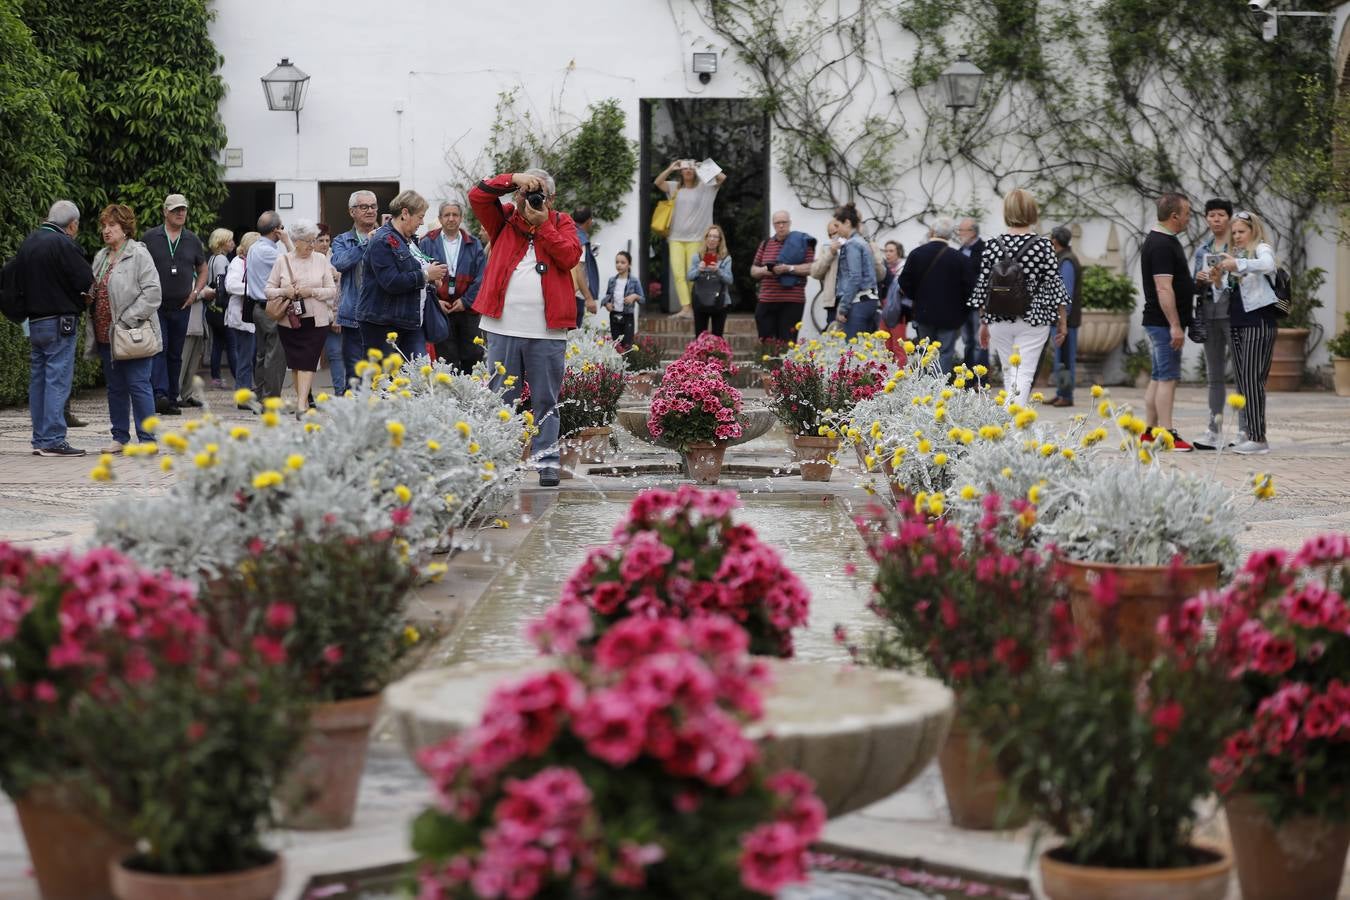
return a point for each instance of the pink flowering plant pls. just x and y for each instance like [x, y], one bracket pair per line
[710, 349]
[1283, 637]
[678, 554]
[695, 405]
[625, 774]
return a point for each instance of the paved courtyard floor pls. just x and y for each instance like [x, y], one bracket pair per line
[49, 503]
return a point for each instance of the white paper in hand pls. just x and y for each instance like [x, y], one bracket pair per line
[707, 170]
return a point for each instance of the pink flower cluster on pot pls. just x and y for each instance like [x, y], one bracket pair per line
[678, 554]
[695, 404]
[627, 772]
[713, 350]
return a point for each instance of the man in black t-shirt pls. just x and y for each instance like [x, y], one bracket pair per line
[1169, 294]
[180, 260]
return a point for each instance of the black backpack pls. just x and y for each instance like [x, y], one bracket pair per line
[12, 305]
[709, 291]
[1009, 293]
[1281, 284]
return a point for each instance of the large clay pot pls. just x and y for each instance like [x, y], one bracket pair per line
[813, 454]
[641, 384]
[973, 784]
[594, 444]
[1341, 376]
[69, 850]
[1289, 359]
[1143, 594]
[319, 791]
[703, 462]
[1301, 859]
[261, 883]
[1101, 332]
[1205, 881]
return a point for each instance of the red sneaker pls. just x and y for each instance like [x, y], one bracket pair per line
[1147, 436]
[1179, 445]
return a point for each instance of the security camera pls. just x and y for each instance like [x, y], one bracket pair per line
[1257, 6]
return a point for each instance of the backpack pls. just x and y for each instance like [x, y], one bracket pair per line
[1009, 294]
[1281, 284]
[708, 291]
[12, 305]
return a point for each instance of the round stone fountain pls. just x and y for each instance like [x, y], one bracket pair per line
[755, 421]
[861, 734]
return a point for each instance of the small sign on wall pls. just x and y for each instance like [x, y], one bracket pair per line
[285, 201]
[234, 157]
[358, 156]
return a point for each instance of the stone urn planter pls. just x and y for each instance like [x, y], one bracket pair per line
[1341, 376]
[972, 782]
[1207, 880]
[1300, 859]
[1143, 594]
[1101, 332]
[70, 851]
[1289, 359]
[755, 421]
[261, 883]
[703, 461]
[319, 791]
[813, 455]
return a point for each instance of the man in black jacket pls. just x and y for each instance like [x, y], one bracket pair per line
[55, 278]
[938, 279]
[972, 247]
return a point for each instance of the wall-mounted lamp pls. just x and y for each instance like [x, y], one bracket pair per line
[285, 87]
[960, 83]
[705, 65]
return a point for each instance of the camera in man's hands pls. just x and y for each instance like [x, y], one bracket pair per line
[535, 199]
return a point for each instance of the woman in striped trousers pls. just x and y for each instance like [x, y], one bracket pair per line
[1252, 315]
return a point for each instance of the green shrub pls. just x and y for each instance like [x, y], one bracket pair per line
[1106, 290]
[1339, 346]
[14, 366]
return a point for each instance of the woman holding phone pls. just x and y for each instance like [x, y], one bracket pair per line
[693, 215]
[1252, 316]
[710, 275]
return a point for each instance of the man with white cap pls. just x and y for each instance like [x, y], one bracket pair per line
[180, 260]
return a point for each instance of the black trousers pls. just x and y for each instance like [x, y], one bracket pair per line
[621, 328]
[703, 318]
[458, 349]
[778, 320]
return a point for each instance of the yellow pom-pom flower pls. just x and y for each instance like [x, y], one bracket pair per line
[443, 378]
[166, 464]
[433, 445]
[1237, 401]
[268, 479]
[1015, 359]
[1024, 418]
[396, 432]
[402, 492]
[925, 445]
[244, 396]
[1034, 494]
[968, 492]
[295, 462]
[101, 473]
[151, 423]
[939, 459]
[1097, 391]
[273, 404]
[473, 447]
[270, 419]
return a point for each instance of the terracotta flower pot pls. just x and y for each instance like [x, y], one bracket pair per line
[972, 782]
[1341, 376]
[1207, 880]
[569, 457]
[703, 462]
[813, 452]
[641, 384]
[261, 883]
[594, 444]
[1301, 859]
[1288, 359]
[69, 850]
[319, 791]
[1143, 594]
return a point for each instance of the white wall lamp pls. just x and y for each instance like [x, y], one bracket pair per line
[705, 66]
[285, 88]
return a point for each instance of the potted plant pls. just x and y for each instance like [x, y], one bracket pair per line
[1339, 347]
[678, 554]
[624, 775]
[67, 623]
[1108, 301]
[811, 402]
[969, 606]
[709, 348]
[644, 361]
[587, 406]
[1139, 364]
[1289, 358]
[696, 409]
[340, 645]
[1283, 638]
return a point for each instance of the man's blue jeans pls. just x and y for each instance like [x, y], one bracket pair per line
[168, 365]
[353, 351]
[337, 368]
[862, 317]
[973, 355]
[946, 337]
[129, 394]
[1065, 357]
[411, 342]
[537, 362]
[244, 343]
[51, 358]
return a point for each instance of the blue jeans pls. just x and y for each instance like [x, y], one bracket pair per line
[129, 394]
[947, 338]
[334, 351]
[1065, 359]
[168, 365]
[537, 362]
[51, 360]
[353, 350]
[973, 355]
[411, 342]
[1166, 361]
[862, 316]
[243, 344]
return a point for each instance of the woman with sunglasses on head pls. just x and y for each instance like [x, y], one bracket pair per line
[1252, 314]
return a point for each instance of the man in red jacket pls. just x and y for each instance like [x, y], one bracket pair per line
[526, 301]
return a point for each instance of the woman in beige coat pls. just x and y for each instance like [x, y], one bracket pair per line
[305, 278]
[126, 291]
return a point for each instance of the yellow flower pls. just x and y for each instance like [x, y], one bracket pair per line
[192, 425]
[101, 473]
[1024, 418]
[528, 416]
[480, 342]
[401, 382]
[1034, 494]
[270, 419]
[1097, 391]
[273, 404]
[443, 378]
[504, 415]
[322, 397]
[361, 368]
[1104, 409]
[1094, 436]
[175, 441]
[433, 445]
[1038, 397]
[150, 423]
[1047, 450]
[939, 459]
[310, 427]
[968, 492]
[925, 445]
[509, 381]
[981, 371]
[1144, 456]
[490, 465]
[392, 362]
[909, 348]
[1067, 453]
[940, 414]
[267, 479]
[450, 500]
[204, 460]
[426, 371]
[391, 336]
[947, 394]
[869, 461]
[954, 433]
[967, 436]
[921, 500]
[1007, 472]
[244, 396]
[473, 447]
[463, 428]
[396, 432]
[166, 464]
[936, 504]
[402, 493]
[295, 462]
[1015, 359]
[1263, 486]
[1237, 401]
[991, 432]
[501, 523]
[959, 382]
[410, 634]
[501, 369]
[1164, 437]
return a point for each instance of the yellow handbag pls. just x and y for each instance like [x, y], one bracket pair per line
[662, 216]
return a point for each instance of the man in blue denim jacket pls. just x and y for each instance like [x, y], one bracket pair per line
[394, 275]
[349, 250]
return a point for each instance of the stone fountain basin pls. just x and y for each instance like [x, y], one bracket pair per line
[861, 734]
[755, 421]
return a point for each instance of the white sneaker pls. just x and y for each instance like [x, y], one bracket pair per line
[1252, 448]
[1207, 441]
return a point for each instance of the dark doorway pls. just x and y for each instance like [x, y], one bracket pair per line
[333, 197]
[735, 133]
[245, 202]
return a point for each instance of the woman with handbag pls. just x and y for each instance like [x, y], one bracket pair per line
[300, 298]
[1253, 314]
[710, 275]
[123, 328]
[240, 333]
[690, 219]
[220, 245]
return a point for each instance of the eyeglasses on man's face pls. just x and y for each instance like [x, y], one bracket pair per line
[366, 206]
